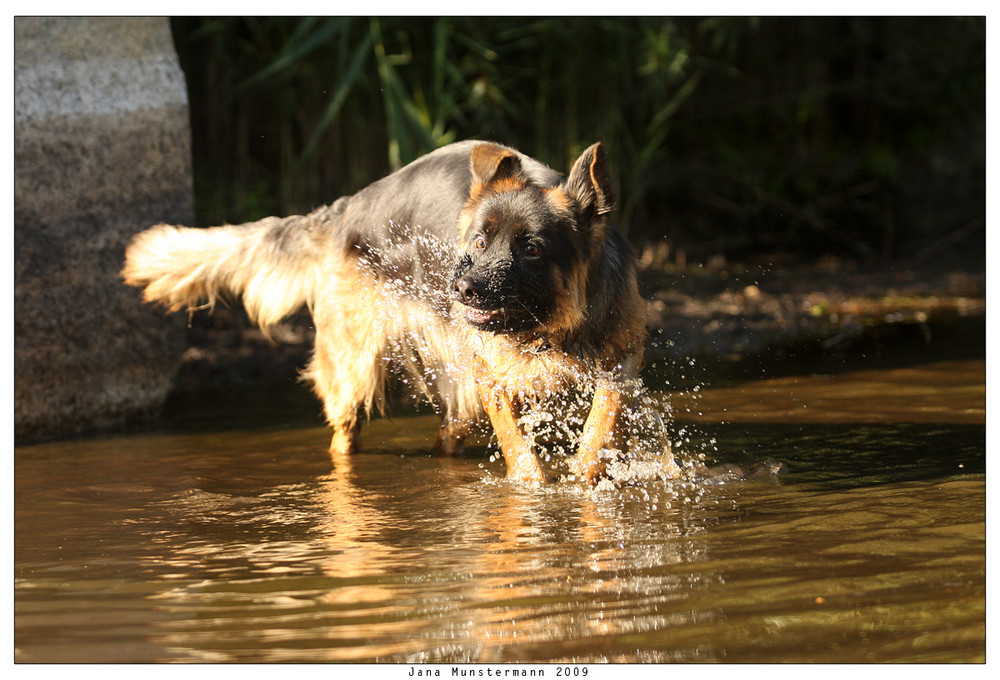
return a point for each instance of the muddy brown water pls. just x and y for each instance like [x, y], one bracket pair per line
[224, 534]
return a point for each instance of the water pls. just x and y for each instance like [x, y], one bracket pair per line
[224, 534]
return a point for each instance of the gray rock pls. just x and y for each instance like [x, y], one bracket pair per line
[101, 150]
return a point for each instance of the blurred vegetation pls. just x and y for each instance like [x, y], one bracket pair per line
[786, 139]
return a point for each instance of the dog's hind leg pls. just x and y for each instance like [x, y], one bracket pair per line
[436, 355]
[347, 369]
[451, 436]
[462, 408]
[458, 421]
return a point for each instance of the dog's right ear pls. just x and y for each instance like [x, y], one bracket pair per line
[492, 162]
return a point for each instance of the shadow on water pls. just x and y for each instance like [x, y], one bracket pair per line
[905, 402]
[846, 456]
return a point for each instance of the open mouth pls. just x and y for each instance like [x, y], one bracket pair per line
[483, 316]
[498, 320]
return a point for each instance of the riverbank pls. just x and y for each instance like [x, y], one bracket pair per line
[720, 313]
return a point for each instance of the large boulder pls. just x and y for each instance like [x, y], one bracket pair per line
[101, 150]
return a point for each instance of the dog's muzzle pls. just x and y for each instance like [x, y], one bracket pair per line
[479, 309]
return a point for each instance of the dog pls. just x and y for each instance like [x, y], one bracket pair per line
[487, 279]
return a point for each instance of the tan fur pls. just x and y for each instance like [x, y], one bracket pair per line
[558, 198]
[571, 297]
[522, 463]
[184, 268]
[347, 370]
[363, 325]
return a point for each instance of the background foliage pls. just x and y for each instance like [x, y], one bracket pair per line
[781, 138]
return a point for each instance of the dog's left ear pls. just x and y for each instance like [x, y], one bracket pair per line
[590, 184]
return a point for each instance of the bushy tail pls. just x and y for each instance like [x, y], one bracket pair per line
[271, 263]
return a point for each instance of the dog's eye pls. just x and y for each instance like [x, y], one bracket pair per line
[532, 250]
[479, 243]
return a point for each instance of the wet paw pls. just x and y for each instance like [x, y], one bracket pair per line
[529, 477]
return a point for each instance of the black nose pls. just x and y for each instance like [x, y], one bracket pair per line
[466, 289]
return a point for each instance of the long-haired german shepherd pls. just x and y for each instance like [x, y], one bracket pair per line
[486, 276]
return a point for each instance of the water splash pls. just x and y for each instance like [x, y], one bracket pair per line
[408, 265]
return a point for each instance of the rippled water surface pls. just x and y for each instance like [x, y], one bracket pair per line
[204, 541]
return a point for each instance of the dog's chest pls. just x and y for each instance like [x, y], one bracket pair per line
[527, 368]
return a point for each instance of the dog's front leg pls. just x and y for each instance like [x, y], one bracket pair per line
[522, 463]
[605, 429]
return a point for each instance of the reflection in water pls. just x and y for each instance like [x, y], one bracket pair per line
[250, 546]
[557, 582]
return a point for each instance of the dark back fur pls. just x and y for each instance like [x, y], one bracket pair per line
[404, 224]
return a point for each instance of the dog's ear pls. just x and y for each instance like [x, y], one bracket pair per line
[492, 162]
[590, 184]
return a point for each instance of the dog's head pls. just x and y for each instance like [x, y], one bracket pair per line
[526, 249]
